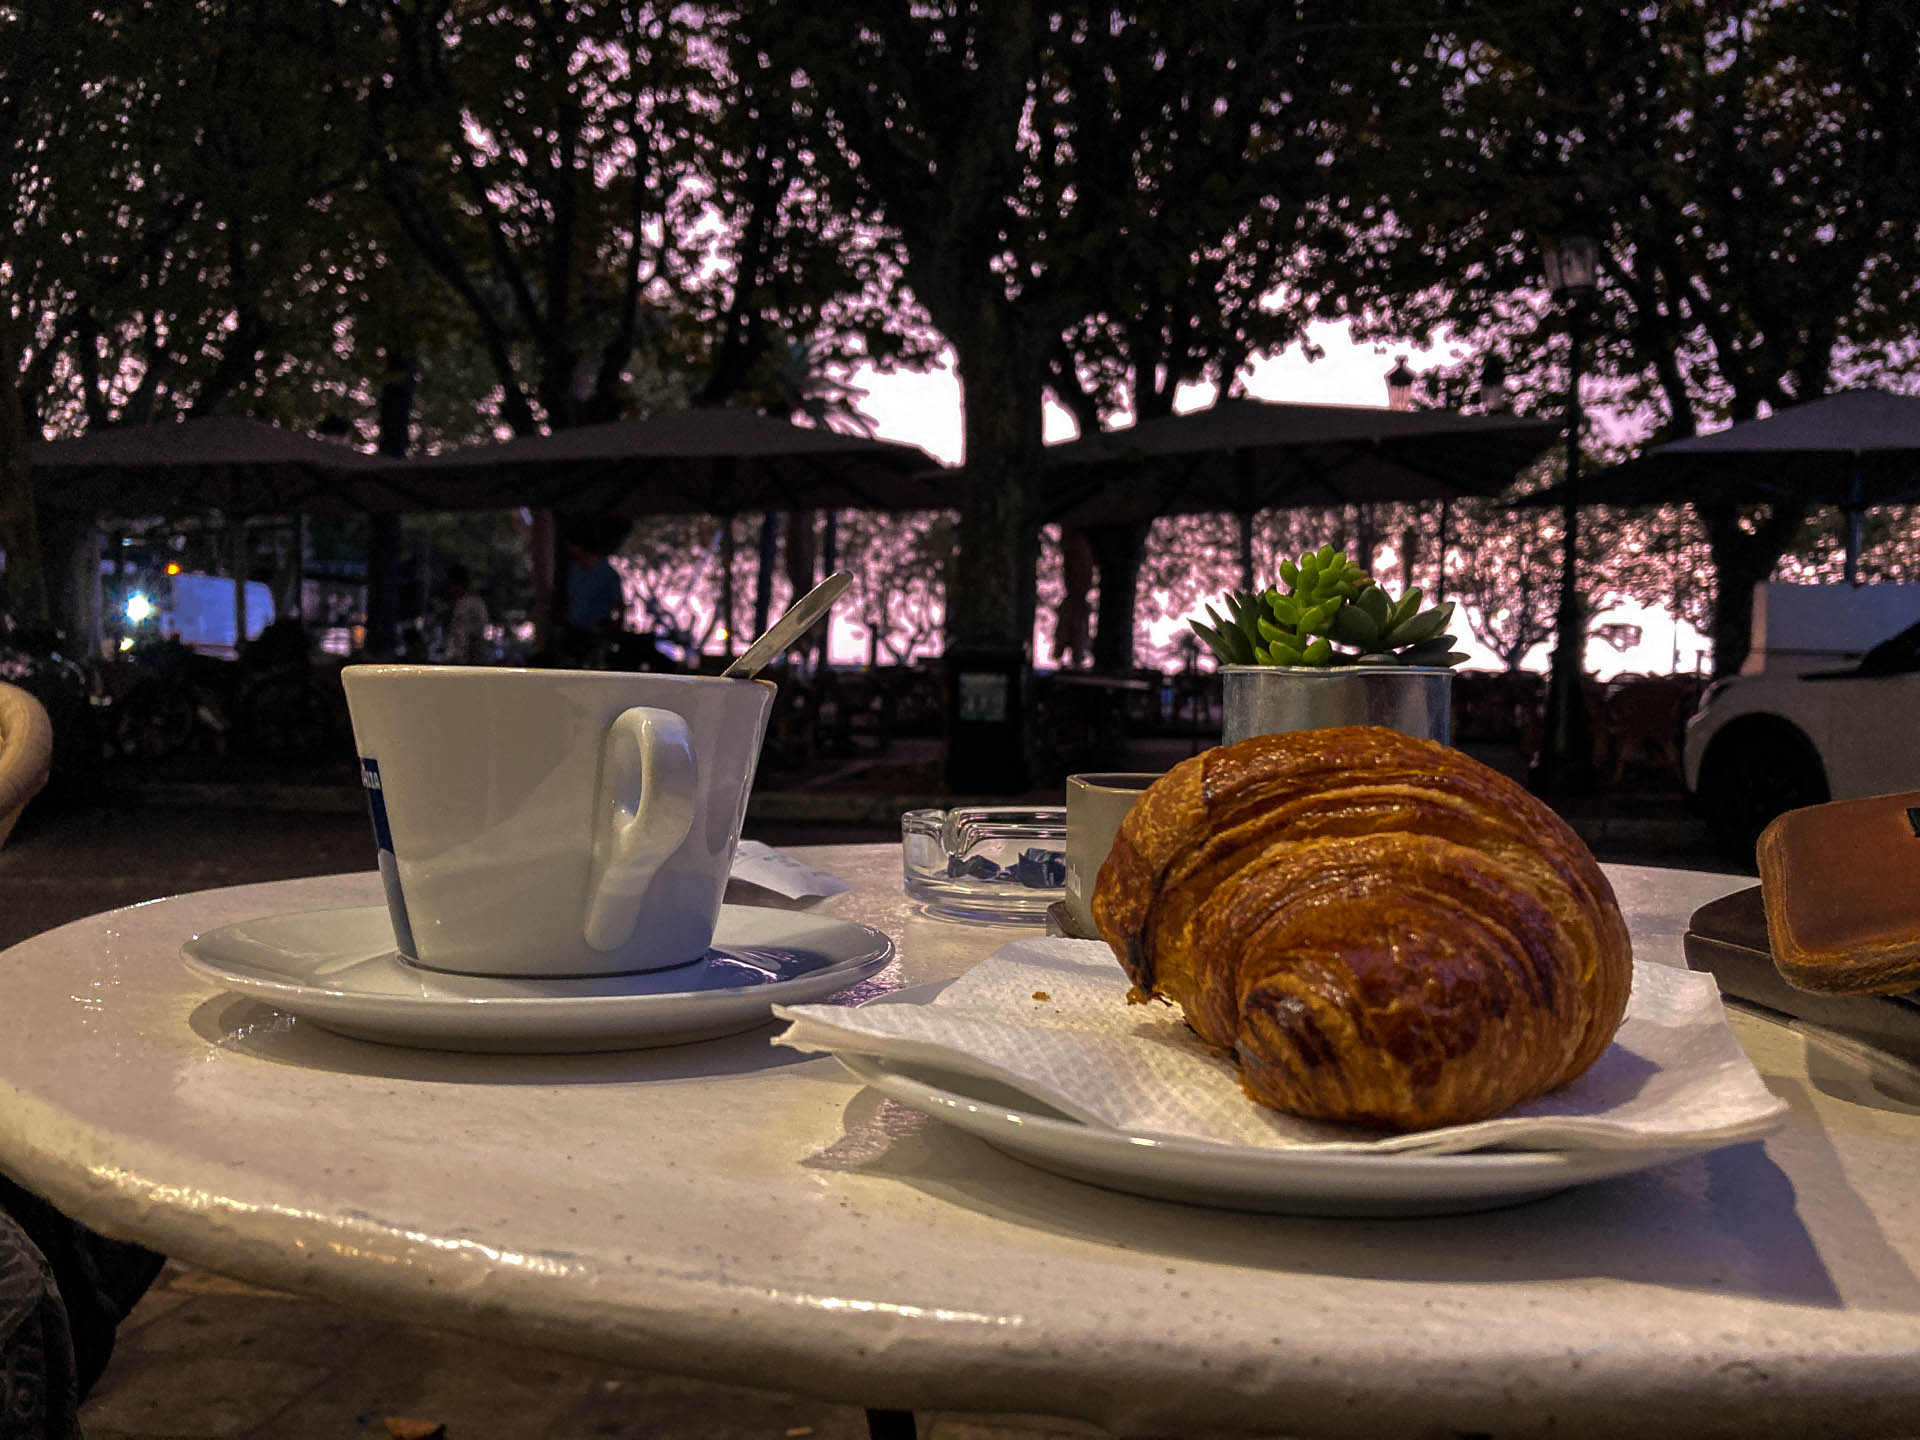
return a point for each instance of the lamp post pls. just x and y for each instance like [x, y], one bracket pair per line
[1400, 385]
[1565, 762]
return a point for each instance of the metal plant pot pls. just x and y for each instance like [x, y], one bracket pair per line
[1263, 699]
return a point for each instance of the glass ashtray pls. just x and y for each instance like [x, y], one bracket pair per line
[986, 862]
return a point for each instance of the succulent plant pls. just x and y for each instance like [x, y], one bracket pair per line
[1328, 601]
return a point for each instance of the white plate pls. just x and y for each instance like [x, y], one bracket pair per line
[339, 969]
[1237, 1177]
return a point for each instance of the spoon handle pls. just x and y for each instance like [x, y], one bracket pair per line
[806, 612]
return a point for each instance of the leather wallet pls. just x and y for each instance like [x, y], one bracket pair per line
[1728, 939]
[1841, 883]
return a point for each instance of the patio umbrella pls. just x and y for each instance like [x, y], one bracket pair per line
[1242, 456]
[1851, 449]
[714, 461]
[230, 463]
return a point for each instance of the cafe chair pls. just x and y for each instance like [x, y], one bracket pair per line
[1640, 728]
[26, 753]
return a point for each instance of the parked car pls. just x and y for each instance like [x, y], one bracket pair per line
[1762, 744]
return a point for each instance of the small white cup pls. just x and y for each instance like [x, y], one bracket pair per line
[554, 822]
[1096, 804]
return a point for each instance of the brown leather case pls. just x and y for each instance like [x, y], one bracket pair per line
[1841, 883]
[1728, 939]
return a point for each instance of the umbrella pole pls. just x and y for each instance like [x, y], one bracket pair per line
[1440, 577]
[1565, 763]
[1245, 519]
[237, 539]
[1853, 524]
[726, 583]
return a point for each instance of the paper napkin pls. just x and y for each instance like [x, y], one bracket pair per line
[771, 869]
[1050, 1019]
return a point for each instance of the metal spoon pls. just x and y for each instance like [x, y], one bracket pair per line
[806, 612]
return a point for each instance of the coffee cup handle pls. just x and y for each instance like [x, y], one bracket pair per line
[642, 813]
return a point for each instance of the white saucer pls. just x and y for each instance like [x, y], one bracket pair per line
[1238, 1177]
[340, 970]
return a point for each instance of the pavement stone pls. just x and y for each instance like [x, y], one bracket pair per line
[203, 1357]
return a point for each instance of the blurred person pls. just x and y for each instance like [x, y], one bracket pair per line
[466, 620]
[596, 602]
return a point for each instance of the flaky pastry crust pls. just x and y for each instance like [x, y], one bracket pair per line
[1382, 930]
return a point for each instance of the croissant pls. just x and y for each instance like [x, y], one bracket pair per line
[1382, 930]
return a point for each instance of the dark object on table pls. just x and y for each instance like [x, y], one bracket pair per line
[1040, 869]
[1841, 885]
[1036, 869]
[973, 867]
[1728, 939]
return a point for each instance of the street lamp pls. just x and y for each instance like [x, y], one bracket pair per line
[1493, 385]
[1400, 385]
[1565, 762]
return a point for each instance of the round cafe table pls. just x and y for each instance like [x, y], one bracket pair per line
[740, 1212]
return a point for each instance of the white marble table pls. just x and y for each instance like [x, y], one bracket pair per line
[740, 1212]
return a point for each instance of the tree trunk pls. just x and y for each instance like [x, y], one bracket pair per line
[990, 600]
[990, 589]
[829, 563]
[1117, 550]
[383, 531]
[238, 549]
[800, 571]
[24, 596]
[763, 572]
[800, 551]
[1366, 537]
[1072, 623]
[1743, 559]
[726, 585]
[1409, 556]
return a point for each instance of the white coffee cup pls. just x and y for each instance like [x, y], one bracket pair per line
[1096, 806]
[554, 822]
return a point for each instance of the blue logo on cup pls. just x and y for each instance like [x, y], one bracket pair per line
[389, 863]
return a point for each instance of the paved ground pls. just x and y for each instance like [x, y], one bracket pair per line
[207, 1357]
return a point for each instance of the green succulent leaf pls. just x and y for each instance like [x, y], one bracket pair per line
[1423, 626]
[1328, 601]
[1355, 626]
